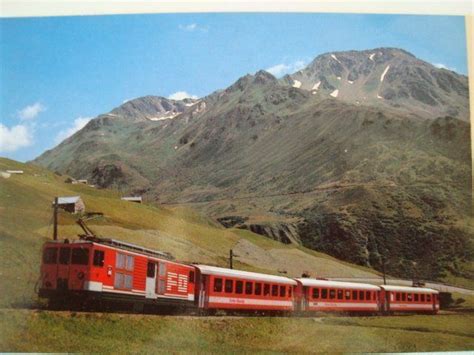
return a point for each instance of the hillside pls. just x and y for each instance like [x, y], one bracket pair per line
[384, 179]
[26, 216]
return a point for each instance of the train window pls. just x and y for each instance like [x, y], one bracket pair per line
[162, 269]
[218, 285]
[118, 280]
[282, 291]
[410, 297]
[404, 296]
[361, 295]
[258, 289]
[367, 295]
[422, 298]
[340, 294]
[324, 293]
[161, 286]
[398, 296]
[191, 277]
[332, 294]
[50, 255]
[348, 295]
[315, 292]
[266, 289]
[275, 290]
[248, 288]
[130, 262]
[64, 256]
[150, 269]
[355, 295]
[128, 281]
[120, 261]
[239, 287]
[416, 297]
[229, 286]
[428, 298]
[99, 258]
[289, 291]
[80, 256]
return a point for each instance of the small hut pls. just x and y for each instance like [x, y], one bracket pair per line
[71, 204]
[136, 199]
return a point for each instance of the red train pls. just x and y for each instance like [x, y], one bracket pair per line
[94, 270]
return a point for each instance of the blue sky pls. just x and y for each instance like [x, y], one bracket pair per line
[57, 73]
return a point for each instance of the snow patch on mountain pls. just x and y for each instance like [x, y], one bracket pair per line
[316, 86]
[371, 57]
[296, 83]
[384, 72]
[334, 93]
[335, 58]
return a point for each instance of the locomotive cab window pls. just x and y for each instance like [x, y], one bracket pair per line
[150, 269]
[64, 256]
[50, 255]
[99, 256]
[80, 256]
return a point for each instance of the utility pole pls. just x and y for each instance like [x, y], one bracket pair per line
[231, 255]
[383, 270]
[55, 219]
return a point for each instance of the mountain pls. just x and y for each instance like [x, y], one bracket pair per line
[386, 77]
[368, 182]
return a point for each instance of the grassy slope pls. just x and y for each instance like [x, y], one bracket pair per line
[25, 212]
[82, 332]
[25, 216]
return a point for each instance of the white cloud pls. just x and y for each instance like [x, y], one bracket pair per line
[180, 95]
[443, 66]
[192, 27]
[31, 111]
[79, 123]
[14, 138]
[282, 68]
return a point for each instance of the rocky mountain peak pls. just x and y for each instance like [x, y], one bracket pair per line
[152, 108]
[386, 77]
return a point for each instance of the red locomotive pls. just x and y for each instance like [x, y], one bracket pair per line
[94, 269]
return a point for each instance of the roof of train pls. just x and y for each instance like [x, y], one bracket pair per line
[337, 284]
[219, 271]
[408, 289]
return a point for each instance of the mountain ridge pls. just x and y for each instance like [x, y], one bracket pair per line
[298, 166]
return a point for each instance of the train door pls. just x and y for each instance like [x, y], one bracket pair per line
[202, 291]
[151, 276]
[63, 266]
[78, 269]
[161, 284]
